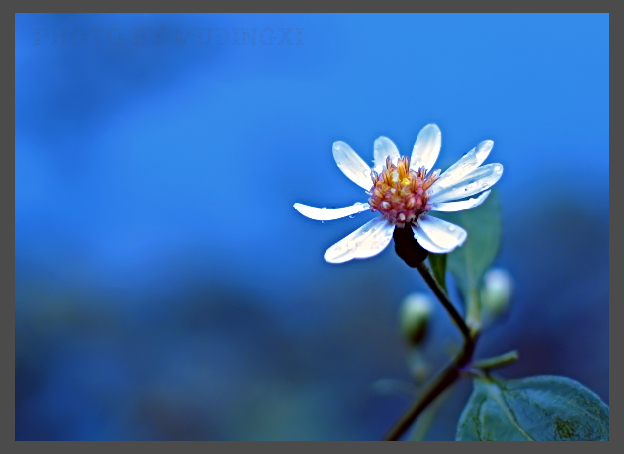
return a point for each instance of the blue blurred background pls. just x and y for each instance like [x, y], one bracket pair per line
[167, 290]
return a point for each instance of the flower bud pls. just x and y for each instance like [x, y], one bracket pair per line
[418, 366]
[496, 293]
[415, 313]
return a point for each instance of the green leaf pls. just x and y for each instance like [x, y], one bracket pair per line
[534, 408]
[469, 262]
[438, 267]
[428, 416]
[392, 387]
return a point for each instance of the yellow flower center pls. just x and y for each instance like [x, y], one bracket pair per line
[400, 194]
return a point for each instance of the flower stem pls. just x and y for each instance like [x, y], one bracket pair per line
[473, 312]
[496, 362]
[441, 295]
[449, 374]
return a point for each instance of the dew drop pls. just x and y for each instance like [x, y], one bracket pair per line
[451, 227]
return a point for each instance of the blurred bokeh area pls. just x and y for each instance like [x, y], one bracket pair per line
[166, 289]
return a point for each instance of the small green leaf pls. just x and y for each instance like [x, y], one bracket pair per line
[535, 408]
[428, 416]
[393, 387]
[438, 267]
[469, 262]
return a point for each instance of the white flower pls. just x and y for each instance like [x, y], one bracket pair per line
[403, 191]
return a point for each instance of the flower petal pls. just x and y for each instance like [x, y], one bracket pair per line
[384, 148]
[367, 241]
[476, 181]
[439, 236]
[427, 147]
[462, 205]
[327, 214]
[376, 241]
[352, 165]
[427, 243]
[469, 162]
